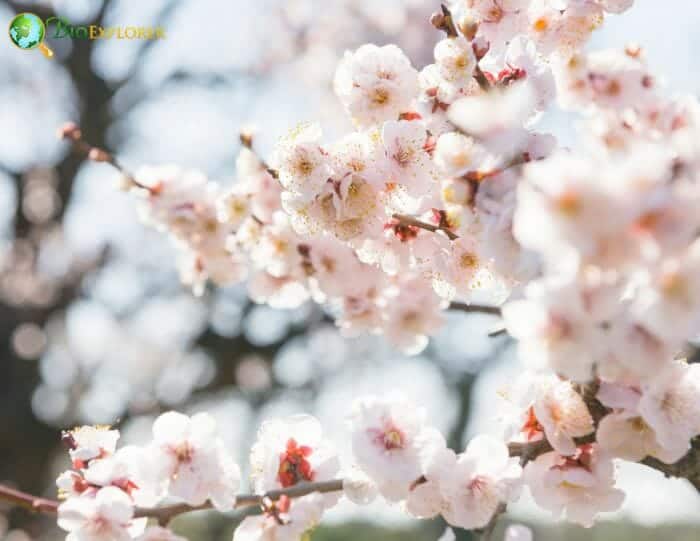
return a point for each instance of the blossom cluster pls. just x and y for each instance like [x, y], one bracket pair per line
[444, 191]
[109, 493]
[414, 208]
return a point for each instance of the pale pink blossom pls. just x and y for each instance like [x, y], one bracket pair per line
[376, 83]
[580, 486]
[475, 483]
[554, 329]
[190, 461]
[389, 438]
[86, 443]
[562, 413]
[105, 516]
[301, 163]
[285, 520]
[455, 59]
[292, 451]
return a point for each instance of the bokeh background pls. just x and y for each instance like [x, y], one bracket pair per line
[94, 324]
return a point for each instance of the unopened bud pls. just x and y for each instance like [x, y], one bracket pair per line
[481, 48]
[437, 19]
[633, 50]
[68, 440]
[70, 130]
[125, 183]
[99, 155]
[468, 26]
[246, 138]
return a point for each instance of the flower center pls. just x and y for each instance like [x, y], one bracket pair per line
[568, 203]
[477, 484]
[303, 167]
[557, 329]
[380, 96]
[541, 24]
[390, 437]
[294, 466]
[468, 261]
[183, 452]
[532, 427]
[403, 156]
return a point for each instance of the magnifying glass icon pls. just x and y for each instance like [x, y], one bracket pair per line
[27, 31]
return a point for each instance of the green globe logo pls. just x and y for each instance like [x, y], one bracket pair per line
[27, 31]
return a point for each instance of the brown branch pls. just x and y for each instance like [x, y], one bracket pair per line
[246, 138]
[72, 132]
[405, 219]
[165, 514]
[481, 78]
[442, 20]
[28, 501]
[476, 308]
[687, 467]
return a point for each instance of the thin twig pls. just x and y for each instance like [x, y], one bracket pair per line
[405, 219]
[28, 501]
[442, 20]
[71, 132]
[165, 514]
[476, 308]
[497, 332]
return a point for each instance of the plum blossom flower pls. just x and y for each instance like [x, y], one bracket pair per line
[455, 59]
[624, 433]
[669, 405]
[456, 153]
[389, 439]
[669, 302]
[581, 485]
[408, 162]
[277, 291]
[413, 313]
[562, 413]
[567, 207]
[333, 268]
[128, 469]
[476, 482]
[190, 462]
[459, 268]
[523, 61]
[283, 520]
[553, 329]
[107, 515]
[498, 20]
[497, 118]
[292, 451]
[86, 443]
[468, 488]
[301, 163]
[376, 83]
[174, 199]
